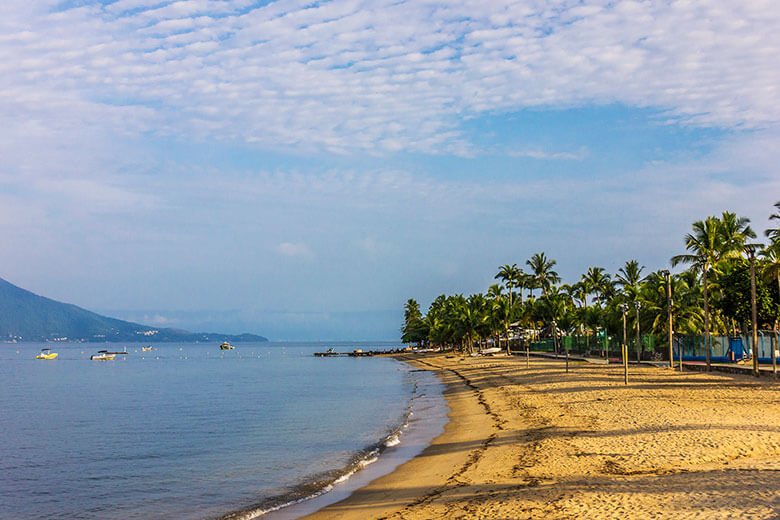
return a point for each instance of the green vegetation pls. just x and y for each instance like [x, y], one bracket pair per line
[712, 296]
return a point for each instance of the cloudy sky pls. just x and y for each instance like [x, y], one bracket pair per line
[299, 169]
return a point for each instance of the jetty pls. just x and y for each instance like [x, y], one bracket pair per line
[355, 353]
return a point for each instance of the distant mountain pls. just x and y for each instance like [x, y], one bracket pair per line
[25, 316]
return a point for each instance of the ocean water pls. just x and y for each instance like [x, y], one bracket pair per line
[192, 432]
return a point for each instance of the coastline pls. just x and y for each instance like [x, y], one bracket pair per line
[538, 442]
[436, 468]
[425, 420]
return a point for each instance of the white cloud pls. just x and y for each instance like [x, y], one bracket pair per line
[381, 75]
[293, 249]
[536, 153]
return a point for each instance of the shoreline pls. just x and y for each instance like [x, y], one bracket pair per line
[426, 419]
[428, 471]
[538, 442]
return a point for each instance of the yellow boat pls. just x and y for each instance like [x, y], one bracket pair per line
[146, 349]
[47, 354]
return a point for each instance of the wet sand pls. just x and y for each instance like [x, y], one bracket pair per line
[540, 443]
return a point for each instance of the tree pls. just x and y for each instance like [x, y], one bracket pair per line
[705, 245]
[735, 301]
[630, 274]
[771, 271]
[415, 329]
[734, 232]
[499, 313]
[596, 282]
[511, 276]
[552, 308]
[544, 274]
[473, 319]
[774, 233]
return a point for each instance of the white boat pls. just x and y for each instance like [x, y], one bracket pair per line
[102, 355]
[490, 351]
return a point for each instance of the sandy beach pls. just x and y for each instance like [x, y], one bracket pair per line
[537, 442]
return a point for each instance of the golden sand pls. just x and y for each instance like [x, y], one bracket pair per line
[537, 442]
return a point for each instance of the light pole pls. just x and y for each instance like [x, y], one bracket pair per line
[751, 251]
[669, 308]
[624, 349]
[638, 305]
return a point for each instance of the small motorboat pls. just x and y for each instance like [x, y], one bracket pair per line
[46, 353]
[226, 346]
[146, 349]
[102, 355]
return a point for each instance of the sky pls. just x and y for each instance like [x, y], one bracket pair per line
[299, 169]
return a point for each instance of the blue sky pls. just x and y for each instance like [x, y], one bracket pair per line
[299, 169]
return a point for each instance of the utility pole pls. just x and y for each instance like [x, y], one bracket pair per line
[669, 308]
[751, 251]
[624, 348]
[638, 304]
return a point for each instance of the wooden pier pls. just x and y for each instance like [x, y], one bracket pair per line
[354, 353]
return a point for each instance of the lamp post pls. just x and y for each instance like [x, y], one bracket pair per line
[669, 308]
[638, 305]
[751, 251]
[624, 349]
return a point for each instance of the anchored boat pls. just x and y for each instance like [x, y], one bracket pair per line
[46, 353]
[103, 355]
[226, 346]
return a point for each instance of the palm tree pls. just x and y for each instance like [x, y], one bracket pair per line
[774, 233]
[705, 245]
[630, 274]
[523, 281]
[596, 282]
[412, 310]
[474, 318]
[511, 276]
[686, 312]
[543, 271]
[415, 329]
[772, 270]
[735, 231]
[552, 308]
[499, 313]
[773, 252]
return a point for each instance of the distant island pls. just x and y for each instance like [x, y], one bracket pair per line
[25, 316]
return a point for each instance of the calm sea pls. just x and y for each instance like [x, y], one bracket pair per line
[192, 432]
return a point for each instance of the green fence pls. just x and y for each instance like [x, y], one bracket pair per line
[606, 346]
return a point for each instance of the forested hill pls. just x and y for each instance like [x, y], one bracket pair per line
[25, 316]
